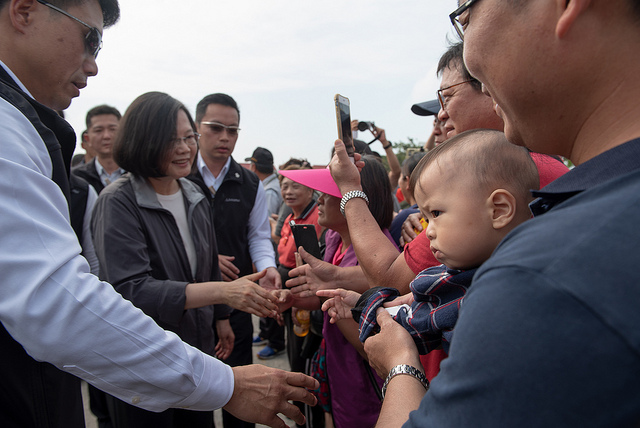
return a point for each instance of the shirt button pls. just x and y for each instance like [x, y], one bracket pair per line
[135, 400]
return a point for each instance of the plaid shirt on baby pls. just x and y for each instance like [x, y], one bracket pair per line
[438, 293]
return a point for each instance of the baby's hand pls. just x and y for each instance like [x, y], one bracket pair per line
[340, 302]
[406, 299]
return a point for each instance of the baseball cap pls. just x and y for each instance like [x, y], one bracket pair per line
[261, 157]
[427, 108]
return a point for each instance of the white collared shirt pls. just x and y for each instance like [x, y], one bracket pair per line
[62, 314]
[105, 177]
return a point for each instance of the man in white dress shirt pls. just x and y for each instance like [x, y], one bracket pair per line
[58, 319]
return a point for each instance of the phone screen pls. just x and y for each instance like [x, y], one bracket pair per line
[343, 116]
[305, 237]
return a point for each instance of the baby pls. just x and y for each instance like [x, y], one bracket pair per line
[472, 191]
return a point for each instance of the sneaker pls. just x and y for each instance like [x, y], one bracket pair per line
[268, 352]
[258, 341]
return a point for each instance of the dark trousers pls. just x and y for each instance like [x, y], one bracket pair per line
[124, 415]
[241, 355]
[98, 406]
[273, 332]
[35, 394]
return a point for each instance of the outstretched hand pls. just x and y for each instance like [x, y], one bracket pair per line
[244, 294]
[311, 276]
[339, 304]
[261, 392]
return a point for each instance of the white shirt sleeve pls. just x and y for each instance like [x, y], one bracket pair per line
[62, 314]
[259, 235]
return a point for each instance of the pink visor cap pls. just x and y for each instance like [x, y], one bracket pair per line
[549, 168]
[316, 179]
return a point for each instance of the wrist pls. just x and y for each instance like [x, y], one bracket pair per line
[387, 145]
[408, 370]
[353, 194]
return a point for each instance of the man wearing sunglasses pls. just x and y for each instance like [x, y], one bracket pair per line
[548, 333]
[58, 320]
[241, 220]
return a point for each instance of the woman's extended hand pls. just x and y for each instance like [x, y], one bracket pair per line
[339, 304]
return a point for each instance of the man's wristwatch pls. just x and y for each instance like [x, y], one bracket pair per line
[406, 370]
[350, 195]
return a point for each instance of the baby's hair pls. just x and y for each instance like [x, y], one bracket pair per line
[492, 160]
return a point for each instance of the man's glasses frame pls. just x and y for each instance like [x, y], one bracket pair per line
[93, 39]
[439, 92]
[455, 17]
[217, 127]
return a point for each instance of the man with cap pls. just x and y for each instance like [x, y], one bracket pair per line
[431, 108]
[262, 165]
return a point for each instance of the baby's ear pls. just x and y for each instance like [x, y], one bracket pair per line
[502, 205]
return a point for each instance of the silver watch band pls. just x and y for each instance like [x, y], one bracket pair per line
[350, 195]
[407, 370]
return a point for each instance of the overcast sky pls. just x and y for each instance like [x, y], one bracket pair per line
[282, 61]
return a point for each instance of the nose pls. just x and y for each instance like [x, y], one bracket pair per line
[90, 66]
[443, 115]
[321, 199]
[431, 233]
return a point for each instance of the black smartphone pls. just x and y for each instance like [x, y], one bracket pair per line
[343, 117]
[305, 236]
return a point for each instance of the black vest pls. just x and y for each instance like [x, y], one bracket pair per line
[34, 394]
[232, 206]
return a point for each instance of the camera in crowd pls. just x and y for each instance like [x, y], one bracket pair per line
[366, 126]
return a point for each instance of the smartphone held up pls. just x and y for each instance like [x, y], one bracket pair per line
[343, 117]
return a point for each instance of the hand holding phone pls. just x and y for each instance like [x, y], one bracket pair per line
[343, 117]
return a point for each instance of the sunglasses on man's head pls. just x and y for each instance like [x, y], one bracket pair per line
[93, 39]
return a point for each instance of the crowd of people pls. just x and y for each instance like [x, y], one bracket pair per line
[499, 293]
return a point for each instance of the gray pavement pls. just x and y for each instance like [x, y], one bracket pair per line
[281, 362]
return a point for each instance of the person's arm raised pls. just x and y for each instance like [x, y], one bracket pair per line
[380, 260]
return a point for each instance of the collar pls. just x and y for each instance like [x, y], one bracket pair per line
[604, 167]
[100, 169]
[15, 79]
[269, 179]
[205, 171]
[146, 195]
[307, 210]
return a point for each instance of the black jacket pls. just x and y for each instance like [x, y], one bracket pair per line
[88, 172]
[141, 253]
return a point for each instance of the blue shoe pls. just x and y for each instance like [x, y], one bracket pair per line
[258, 341]
[268, 352]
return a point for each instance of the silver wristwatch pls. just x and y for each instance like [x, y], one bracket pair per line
[350, 195]
[407, 370]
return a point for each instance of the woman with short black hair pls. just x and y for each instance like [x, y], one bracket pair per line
[154, 237]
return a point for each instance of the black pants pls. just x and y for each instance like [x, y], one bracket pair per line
[273, 332]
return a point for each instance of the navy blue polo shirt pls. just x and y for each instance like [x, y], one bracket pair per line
[549, 334]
